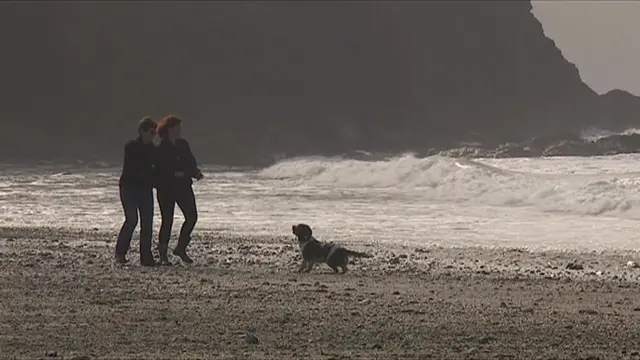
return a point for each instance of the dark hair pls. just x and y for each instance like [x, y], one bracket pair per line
[167, 123]
[145, 124]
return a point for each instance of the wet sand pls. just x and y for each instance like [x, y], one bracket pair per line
[63, 297]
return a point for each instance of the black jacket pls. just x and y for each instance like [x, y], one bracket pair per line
[138, 169]
[175, 157]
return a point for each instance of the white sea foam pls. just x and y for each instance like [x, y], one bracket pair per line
[480, 182]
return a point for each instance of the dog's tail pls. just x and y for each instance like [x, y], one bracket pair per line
[358, 254]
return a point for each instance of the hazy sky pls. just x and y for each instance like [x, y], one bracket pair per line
[601, 37]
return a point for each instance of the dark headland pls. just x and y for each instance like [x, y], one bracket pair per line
[256, 80]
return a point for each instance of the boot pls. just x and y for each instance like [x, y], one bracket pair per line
[148, 260]
[163, 249]
[121, 258]
[181, 250]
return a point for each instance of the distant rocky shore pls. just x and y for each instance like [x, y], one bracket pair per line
[560, 145]
[567, 144]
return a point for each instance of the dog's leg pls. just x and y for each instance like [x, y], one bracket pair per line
[344, 268]
[302, 265]
[309, 266]
[335, 268]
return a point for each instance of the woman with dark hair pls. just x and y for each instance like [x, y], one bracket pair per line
[176, 166]
[136, 192]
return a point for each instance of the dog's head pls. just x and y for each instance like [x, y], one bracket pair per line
[302, 231]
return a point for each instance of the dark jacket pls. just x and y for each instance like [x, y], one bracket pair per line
[175, 157]
[138, 169]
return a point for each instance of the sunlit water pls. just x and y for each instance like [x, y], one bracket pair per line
[571, 203]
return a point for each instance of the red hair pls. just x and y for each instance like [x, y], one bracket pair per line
[167, 123]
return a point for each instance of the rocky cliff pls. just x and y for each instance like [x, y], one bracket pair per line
[253, 79]
[620, 110]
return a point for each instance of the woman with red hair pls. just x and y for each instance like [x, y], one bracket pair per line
[175, 167]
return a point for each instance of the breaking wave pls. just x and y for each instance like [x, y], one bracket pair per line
[595, 133]
[495, 182]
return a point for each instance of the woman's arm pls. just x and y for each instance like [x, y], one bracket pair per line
[191, 165]
[129, 164]
[134, 166]
[155, 174]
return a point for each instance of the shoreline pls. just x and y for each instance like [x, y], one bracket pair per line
[63, 295]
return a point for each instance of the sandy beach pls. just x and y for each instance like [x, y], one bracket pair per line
[63, 297]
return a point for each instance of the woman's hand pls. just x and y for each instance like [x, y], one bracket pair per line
[199, 175]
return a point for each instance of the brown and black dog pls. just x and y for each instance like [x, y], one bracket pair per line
[314, 251]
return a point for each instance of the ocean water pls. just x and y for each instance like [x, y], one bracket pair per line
[534, 203]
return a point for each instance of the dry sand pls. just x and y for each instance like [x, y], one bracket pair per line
[63, 297]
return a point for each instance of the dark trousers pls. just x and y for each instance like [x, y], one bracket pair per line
[134, 200]
[186, 200]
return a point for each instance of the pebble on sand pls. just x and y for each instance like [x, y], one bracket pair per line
[574, 266]
[251, 337]
[632, 264]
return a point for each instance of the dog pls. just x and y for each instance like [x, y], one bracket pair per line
[314, 251]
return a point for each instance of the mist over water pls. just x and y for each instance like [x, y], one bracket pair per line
[536, 203]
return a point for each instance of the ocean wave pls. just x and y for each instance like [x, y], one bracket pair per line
[460, 181]
[595, 133]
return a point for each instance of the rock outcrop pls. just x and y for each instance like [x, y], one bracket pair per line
[620, 110]
[545, 146]
[255, 80]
